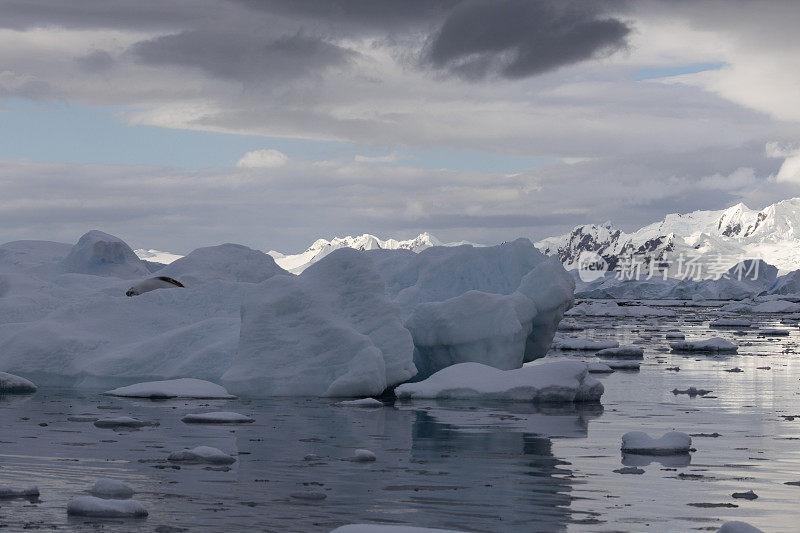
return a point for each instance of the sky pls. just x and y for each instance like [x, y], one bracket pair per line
[271, 123]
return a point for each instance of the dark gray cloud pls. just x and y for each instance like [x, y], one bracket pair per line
[244, 56]
[96, 62]
[520, 38]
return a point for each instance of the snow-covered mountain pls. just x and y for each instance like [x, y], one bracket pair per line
[726, 236]
[296, 263]
[321, 247]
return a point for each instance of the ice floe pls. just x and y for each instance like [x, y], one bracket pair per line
[672, 442]
[217, 417]
[559, 381]
[173, 388]
[621, 352]
[714, 344]
[577, 343]
[11, 384]
[112, 489]
[93, 506]
[201, 454]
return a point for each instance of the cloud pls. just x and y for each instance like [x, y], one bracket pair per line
[243, 55]
[790, 168]
[388, 158]
[262, 159]
[520, 38]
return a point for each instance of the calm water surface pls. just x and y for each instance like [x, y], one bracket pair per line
[466, 466]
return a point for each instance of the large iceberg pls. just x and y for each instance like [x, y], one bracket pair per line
[497, 305]
[331, 331]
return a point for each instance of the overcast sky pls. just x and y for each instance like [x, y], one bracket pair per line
[177, 124]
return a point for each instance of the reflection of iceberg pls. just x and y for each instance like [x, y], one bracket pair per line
[674, 460]
[509, 477]
[568, 420]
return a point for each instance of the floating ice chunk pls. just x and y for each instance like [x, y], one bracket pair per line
[623, 365]
[674, 335]
[218, 417]
[173, 388]
[629, 470]
[569, 325]
[201, 454]
[773, 306]
[621, 352]
[614, 309]
[331, 331]
[560, 381]
[105, 508]
[363, 456]
[25, 492]
[11, 384]
[714, 344]
[112, 489]
[773, 332]
[381, 528]
[576, 343]
[736, 526]
[691, 391]
[598, 368]
[670, 443]
[120, 422]
[363, 402]
[730, 323]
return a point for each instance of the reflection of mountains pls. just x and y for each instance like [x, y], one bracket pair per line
[506, 467]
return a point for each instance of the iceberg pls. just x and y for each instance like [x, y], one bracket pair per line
[331, 331]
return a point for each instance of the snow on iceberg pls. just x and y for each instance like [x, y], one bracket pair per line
[714, 344]
[173, 388]
[560, 381]
[331, 331]
[673, 442]
[225, 262]
[105, 508]
[772, 306]
[101, 254]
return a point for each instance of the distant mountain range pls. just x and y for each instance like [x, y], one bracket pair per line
[296, 263]
[726, 237]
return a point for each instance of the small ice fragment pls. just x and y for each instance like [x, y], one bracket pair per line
[363, 456]
[201, 454]
[738, 527]
[108, 488]
[362, 402]
[672, 442]
[102, 508]
[217, 417]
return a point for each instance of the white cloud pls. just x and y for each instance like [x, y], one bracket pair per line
[389, 158]
[790, 169]
[262, 159]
